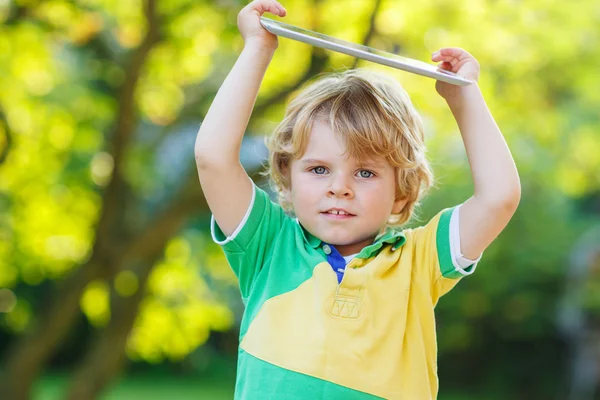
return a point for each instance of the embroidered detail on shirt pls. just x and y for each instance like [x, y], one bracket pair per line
[345, 305]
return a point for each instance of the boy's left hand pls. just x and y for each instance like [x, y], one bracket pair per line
[458, 61]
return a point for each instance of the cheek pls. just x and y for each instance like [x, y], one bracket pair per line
[380, 199]
[302, 182]
[304, 189]
[306, 193]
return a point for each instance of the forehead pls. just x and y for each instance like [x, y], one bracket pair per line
[322, 139]
[324, 144]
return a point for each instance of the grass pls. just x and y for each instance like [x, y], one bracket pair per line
[154, 387]
[53, 386]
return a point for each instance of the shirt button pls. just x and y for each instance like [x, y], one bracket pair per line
[326, 249]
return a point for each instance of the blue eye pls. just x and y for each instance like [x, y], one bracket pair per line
[366, 173]
[319, 170]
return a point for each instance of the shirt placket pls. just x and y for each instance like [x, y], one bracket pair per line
[336, 260]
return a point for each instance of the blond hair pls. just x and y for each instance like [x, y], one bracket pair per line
[375, 117]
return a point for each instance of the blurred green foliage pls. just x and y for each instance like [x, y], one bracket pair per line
[62, 63]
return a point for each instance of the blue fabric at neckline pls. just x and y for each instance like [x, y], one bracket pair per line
[337, 262]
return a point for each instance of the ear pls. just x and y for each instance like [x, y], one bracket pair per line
[399, 205]
[285, 171]
[287, 195]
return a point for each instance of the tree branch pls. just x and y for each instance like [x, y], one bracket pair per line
[318, 60]
[124, 130]
[17, 13]
[5, 128]
[371, 30]
[154, 236]
[190, 201]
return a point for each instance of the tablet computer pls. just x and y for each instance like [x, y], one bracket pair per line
[358, 50]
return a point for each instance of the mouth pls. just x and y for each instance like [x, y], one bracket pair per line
[337, 213]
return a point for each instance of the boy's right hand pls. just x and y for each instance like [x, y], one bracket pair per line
[249, 22]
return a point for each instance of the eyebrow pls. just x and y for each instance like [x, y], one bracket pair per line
[372, 164]
[367, 163]
[313, 161]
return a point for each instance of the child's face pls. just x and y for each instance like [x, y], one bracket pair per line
[323, 179]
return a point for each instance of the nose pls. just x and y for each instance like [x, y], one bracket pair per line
[340, 187]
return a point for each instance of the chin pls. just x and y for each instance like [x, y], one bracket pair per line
[338, 235]
[339, 240]
[336, 241]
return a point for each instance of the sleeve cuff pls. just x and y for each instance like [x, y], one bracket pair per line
[447, 244]
[217, 234]
[462, 264]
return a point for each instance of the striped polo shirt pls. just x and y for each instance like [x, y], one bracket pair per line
[316, 328]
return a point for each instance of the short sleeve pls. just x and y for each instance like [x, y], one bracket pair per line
[434, 254]
[457, 255]
[251, 244]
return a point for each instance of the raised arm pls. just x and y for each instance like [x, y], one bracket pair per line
[497, 189]
[226, 186]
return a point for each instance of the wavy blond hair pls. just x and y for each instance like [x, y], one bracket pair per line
[375, 117]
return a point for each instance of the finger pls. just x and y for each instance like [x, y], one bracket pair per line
[445, 65]
[271, 7]
[437, 56]
[453, 65]
[446, 59]
[280, 7]
[460, 64]
[452, 51]
[447, 53]
[263, 6]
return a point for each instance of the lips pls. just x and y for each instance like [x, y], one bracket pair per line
[338, 212]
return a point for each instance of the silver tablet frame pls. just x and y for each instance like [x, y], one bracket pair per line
[358, 50]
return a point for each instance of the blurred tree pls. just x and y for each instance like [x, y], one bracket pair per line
[118, 242]
[578, 315]
[5, 141]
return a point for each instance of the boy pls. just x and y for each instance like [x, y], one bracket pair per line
[338, 304]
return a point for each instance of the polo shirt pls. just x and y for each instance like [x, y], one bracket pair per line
[307, 335]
